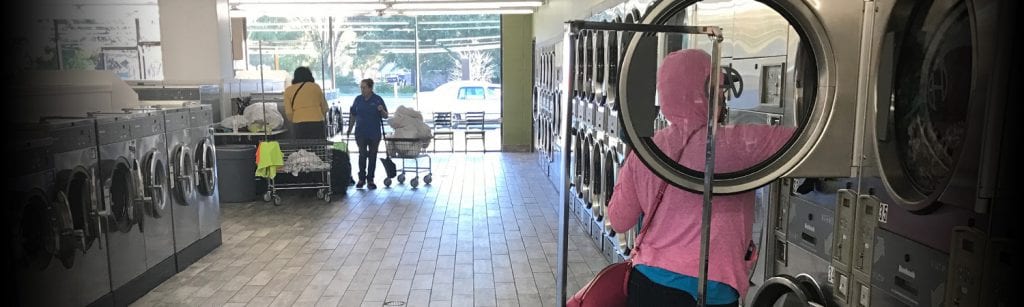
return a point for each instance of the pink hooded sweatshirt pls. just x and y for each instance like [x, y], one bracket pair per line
[674, 241]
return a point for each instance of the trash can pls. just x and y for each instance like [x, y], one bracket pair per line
[236, 173]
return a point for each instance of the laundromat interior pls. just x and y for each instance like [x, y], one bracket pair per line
[511, 153]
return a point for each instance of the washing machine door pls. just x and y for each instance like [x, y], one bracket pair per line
[119, 188]
[75, 210]
[36, 233]
[781, 69]
[936, 63]
[154, 179]
[206, 167]
[183, 175]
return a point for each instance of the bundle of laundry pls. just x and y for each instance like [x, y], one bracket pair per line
[269, 159]
[263, 116]
[303, 161]
[409, 124]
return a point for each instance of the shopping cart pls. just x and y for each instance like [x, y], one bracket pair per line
[309, 176]
[410, 151]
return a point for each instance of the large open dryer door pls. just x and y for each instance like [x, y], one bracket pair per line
[183, 175]
[119, 194]
[790, 77]
[153, 172]
[206, 163]
[76, 206]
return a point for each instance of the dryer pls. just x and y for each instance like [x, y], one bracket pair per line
[204, 154]
[816, 75]
[937, 80]
[790, 63]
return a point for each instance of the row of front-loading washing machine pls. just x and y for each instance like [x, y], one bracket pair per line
[108, 205]
[596, 148]
[893, 189]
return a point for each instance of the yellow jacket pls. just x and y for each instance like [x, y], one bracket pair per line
[308, 106]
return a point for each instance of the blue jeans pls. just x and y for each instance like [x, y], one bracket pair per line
[367, 155]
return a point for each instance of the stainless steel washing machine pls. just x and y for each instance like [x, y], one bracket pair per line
[151, 173]
[117, 183]
[58, 253]
[207, 197]
[182, 184]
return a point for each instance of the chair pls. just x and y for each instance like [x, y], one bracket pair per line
[443, 130]
[475, 129]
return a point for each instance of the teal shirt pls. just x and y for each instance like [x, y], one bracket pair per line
[718, 293]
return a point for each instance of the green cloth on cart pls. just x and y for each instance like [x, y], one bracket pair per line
[269, 159]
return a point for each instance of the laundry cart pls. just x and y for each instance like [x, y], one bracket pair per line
[410, 151]
[308, 164]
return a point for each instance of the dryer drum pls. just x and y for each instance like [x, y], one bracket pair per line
[36, 239]
[206, 162]
[120, 187]
[921, 141]
[75, 189]
[154, 176]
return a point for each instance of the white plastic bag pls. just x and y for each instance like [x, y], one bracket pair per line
[264, 113]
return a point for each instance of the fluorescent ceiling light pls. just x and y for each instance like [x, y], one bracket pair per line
[467, 12]
[464, 5]
[285, 10]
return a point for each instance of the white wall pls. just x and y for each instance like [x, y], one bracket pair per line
[549, 20]
[196, 41]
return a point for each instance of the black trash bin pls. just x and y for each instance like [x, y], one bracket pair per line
[236, 173]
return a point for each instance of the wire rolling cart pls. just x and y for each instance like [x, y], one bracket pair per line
[409, 150]
[320, 180]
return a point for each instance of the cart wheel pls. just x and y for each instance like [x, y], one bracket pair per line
[428, 178]
[277, 200]
[401, 179]
[266, 197]
[327, 198]
[415, 182]
[387, 182]
[320, 194]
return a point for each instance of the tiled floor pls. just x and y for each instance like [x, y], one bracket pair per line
[484, 234]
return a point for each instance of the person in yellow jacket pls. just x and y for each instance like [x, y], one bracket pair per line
[305, 106]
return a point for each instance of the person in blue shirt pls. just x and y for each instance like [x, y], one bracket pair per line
[367, 115]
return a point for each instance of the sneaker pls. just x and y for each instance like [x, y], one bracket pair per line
[371, 186]
[361, 184]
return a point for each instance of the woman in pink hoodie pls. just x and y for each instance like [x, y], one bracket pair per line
[666, 263]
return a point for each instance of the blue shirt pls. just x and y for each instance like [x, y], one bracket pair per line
[718, 293]
[368, 119]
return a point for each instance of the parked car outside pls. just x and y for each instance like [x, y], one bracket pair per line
[460, 97]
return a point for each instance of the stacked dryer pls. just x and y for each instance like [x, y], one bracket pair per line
[938, 88]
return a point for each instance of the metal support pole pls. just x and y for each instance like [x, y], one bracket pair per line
[709, 171]
[565, 125]
[416, 31]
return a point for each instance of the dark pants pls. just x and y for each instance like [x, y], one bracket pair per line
[310, 130]
[367, 155]
[644, 292]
